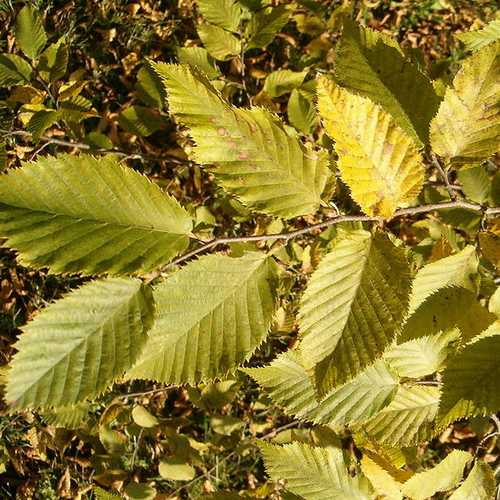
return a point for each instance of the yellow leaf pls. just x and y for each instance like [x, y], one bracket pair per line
[377, 160]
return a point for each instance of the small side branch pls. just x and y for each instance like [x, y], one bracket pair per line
[403, 212]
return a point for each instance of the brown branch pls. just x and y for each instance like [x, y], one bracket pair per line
[402, 212]
[444, 174]
[91, 149]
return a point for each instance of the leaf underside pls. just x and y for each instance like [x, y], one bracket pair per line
[76, 347]
[84, 214]
[268, 168]
[212, 315]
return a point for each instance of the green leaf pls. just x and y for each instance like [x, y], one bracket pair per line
[264, 26]
[41, 121]
[199, 58]
[370, 64]
[456, 270]
[444, 311]
[54, 61]
[140, 491]
[424, 355]
[283, 81]
[30, 34]
[119, 222]
[76, 347]
[139, 120]
[212, 315]
[475, 40]
[476, 183]
[378, 161]
[466, 129]
[223, 13]
[408, 420]
[68, 417]
[14, 70]
[471, 380]
[255, 158]
[101, 494]
[219, 43]
[302, 112]
[175, 469]
[353, 306]
[143, 418]
[149, 88]
[288, 384]
[479, 484]
[314, 473]
[444, 476]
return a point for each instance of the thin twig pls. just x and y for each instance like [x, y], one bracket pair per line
[444, 175]
[209, 245]
[91, 149]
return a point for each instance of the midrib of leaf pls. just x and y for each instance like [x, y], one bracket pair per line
[228, 293]
[272, 156]
[76, 220]
[110, 320]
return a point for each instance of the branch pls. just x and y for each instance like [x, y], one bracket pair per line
[402, 212]
[444, 174]
[91, 149]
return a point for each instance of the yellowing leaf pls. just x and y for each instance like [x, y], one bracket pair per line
[424, 355]
[383, 483]
[444, 476]
[219, 43]
[314, 473]
[76, 347]
[456, 270]
[223, 13]
[377, 160]
[176, 470]
[212, 315]
[479, 484]
[288, 384]
[466, 129]
[14, 70]
[373, 65]
[256, 159]
[408, 420]
[471, 380]
[475, 40]
[352, 307]
[118, 223]
[282, 81]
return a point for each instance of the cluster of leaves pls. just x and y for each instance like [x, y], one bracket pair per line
[398, 326]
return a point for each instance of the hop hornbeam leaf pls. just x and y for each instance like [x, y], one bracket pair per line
[408, 420]
[267, 167]
[445, 476]
[83, 214]
[377, 160]
[265, 24]
[223, 13]
[444, 309]
[475, 40]
[14, 70]
[479, 484]
[76, 347]
[30, 34]
[471, 380]
[353, 307]
[372, 65]
[68, 417]
[424, 355]
[466, 129]
[314, 473]
[383, 483]
[288, 384]
[219, 43]
[456, 270]
[212, 315]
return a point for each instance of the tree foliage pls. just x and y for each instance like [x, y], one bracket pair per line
[345, 258]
